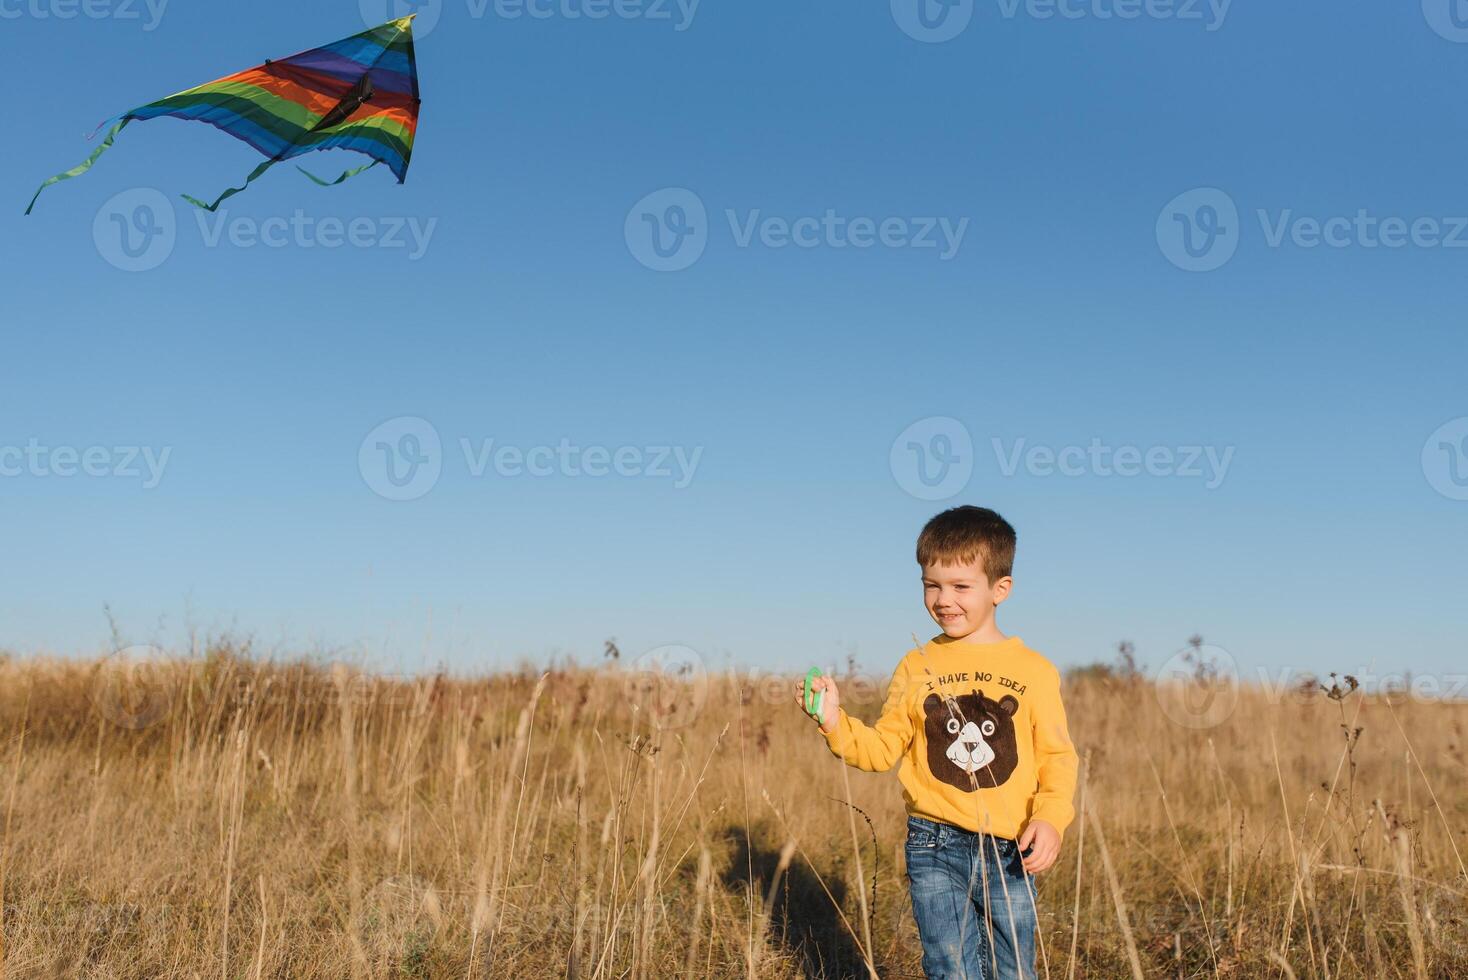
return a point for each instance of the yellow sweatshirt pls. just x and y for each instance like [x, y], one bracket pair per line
[981, 733]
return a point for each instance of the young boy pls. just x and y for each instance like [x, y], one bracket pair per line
[988, 770]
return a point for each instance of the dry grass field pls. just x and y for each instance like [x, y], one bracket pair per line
[227, 816]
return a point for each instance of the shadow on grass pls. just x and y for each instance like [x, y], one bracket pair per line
[803, 918]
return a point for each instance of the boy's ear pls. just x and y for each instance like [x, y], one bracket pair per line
[1001, 589]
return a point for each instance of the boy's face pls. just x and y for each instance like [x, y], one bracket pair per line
[960, 598]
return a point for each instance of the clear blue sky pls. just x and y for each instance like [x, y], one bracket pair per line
[528, 319]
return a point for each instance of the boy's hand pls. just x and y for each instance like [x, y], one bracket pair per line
[1043, 842]
[830, 700]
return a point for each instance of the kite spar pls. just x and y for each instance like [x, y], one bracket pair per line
[359, 93]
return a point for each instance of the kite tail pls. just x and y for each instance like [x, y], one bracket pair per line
[266, 166]
[350, 173]
[86, 164]
[233, 190]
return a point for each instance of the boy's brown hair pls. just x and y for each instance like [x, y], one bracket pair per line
[961, 535]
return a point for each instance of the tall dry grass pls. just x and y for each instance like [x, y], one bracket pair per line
[228, 817]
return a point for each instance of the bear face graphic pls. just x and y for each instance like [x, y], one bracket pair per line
[971, 742]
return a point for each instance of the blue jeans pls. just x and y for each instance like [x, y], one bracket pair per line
[973, 901]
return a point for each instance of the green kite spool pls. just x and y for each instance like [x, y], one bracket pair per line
[813, 698]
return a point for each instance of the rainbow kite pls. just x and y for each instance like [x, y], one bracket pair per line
[360, 93]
